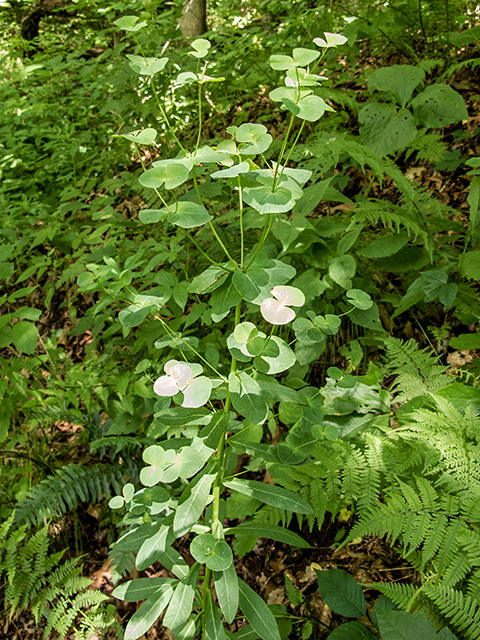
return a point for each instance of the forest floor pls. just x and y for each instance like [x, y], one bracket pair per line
[368, 560]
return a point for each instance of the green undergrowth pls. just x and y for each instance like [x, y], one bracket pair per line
[210, 254]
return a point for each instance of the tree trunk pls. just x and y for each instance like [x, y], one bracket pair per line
[193, 22]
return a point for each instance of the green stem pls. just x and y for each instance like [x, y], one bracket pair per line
[204, 254]
[164, 116]
[240, 200]
[200, 106]
[212, 228]
[206, 590]
[292, 147]
[217, 483]
[263, 237]
[282, 150]
[174, 335]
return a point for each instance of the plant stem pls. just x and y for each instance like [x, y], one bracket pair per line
[282, 150]
[174, 335]
[240, 200]
[263, 237]
[217, 483]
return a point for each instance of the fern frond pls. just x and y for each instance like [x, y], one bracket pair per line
[463, 612]
[57, 494]
[399, 593]
[417, 372]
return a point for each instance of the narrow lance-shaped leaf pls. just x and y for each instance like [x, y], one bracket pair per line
[181, 603]
[269, 494]
[257, 613]
[189, 511]
[226, 586]
[148, 613]
[213, 622]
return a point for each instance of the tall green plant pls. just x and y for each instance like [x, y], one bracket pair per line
[220, 402]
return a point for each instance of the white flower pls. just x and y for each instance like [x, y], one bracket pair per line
[179, 376]
[182, 377]
[277, 310]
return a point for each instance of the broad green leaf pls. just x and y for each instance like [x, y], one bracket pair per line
[150, 216]
[270, 494]
[466, 341]
[213, 621]
[189, 215]
[116, 502]
[146, 66]
[285, 93]
[191, 460]
[216, 554]
[272, 532]
[281, 62]
[264, 200]
[384, 246]
[249, 283]
[197, 393]
[130, 23]
[27, 313]
[226, 587]
[180, 416]
[143, 588]
[190, 629]
[302, 57]
[283, 360]
[141, 136]
[301, 176]
[274, 391]
[154, 456]
[382, 604]
[265, 452]
[400, 625]
[439, 106]
[25, 336]
[469, 264]
[359, 299]
[247, 399]
[384, 129]
[354, 631]
[254, 137]
[207, 155]
[342, 593]
[189, 511]
[223, 299]
[446, 634]
[298, 445]
[168, 173]
[186, 77]
[412, 296]
[148, 613]
[400, 80]
[330, 323]
[202, 546]
[201, 47]
[257, 613]
[209, 280]
[294, 595]
[180, 605]
[341, 269]
[309, 108]
[216, 428]
[232, 172]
